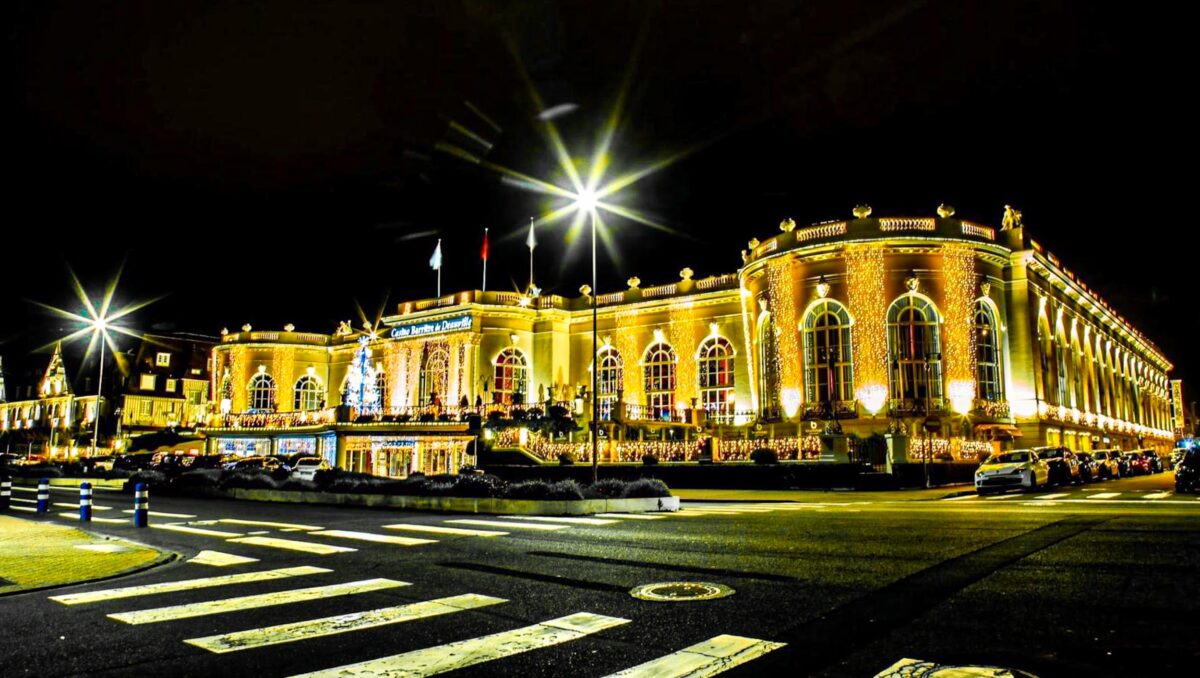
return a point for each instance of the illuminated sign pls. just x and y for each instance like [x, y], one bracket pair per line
[461, 322]
[1177, 405]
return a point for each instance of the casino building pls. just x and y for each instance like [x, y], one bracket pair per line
[937, 335]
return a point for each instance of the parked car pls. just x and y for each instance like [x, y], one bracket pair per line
[1089, 470]
[1153, 462]
[1107, 466]
[93, 464]
[1137, 464]
[1064, 467]
[306, 467]
[206, 461]
[1177, 455]
[1016, 469]
[1187, 472]
[134, 462]
[266, 463]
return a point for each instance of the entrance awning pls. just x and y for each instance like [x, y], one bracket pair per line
[999, 430]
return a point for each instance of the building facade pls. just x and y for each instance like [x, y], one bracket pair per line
[167, 384]
[47, 416]
[951, 338]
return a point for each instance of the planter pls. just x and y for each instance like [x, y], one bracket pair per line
[489, 505]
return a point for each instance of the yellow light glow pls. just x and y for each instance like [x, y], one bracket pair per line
[790, 399]
[961, 394]
[872, 396]
[958, 268]
[866, 294]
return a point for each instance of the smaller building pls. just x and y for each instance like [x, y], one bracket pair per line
[167, 384]
[52, 417]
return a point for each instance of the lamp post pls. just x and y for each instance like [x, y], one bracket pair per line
[99, 324]
[926, 453]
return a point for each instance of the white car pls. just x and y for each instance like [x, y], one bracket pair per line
[306, 467]
[1019, 468]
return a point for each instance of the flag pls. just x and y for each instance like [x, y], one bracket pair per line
[531, 241]
[435, 262]
[484, 254]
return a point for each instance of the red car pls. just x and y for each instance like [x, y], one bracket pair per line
[1138, 464]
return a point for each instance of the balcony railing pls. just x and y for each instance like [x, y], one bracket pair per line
[274, 419]
[996, 409]
[841, 409]
[900, 407]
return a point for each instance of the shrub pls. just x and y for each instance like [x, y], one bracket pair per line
[478, 486]
[527, 489]
[249, 479]
[298, 485]
[206, 477]
[646, 488]
[118, 473]
[495, 416]
[649, 459]
[608, 488]
[764, 455]
[564, 490]
[566, 459]
[149, 477]
[517, 413]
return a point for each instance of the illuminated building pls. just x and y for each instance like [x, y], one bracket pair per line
[941, 333]
[167, 384]
[51, 414]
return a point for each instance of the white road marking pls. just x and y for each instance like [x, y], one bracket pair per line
[23, 508]
[1105, 495]
[961, 497]
[1056, 495]
[95, 519]
[264, 523]
[1002, 496]
[452, 656]
[293, 545]
[95, 507]
[25, 501]
[103, 548]
[507, 526]
[18, 488]
[343, 623]
[631, 516]
[438, 529]
[562, 519]
[1158, 495]
[371, 536]
[189, 610]
[185, 585]
[713, 656]
[187, 529]
[219, 559]
[163, 514]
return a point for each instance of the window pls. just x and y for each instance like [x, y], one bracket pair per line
[767, 343]
[435, 375]
[261, 393]
[715, 359]
[308, 394]
[658, 367]
[1063, 391]
[381, 386]
[610, 380]
[510, 376]
[162, 360]
[987, 355]
[146, 382]
[146, 409]
[828, 370]
[915, 347]
[170, 386]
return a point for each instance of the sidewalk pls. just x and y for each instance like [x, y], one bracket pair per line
[36, 555]
[821, 495]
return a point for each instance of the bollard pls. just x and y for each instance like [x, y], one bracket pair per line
[85, 502]
[141, 505]
[43, 495]
[5, 492]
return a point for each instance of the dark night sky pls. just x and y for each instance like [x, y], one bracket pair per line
[270, 162]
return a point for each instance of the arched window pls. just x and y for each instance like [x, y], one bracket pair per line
[381, 387]
[610, 379]
[261, 393]
[715, 362]
[828, 369]
[1062, 361]
[988, 380]
[767, 343]
[308, 394]
[509, 371]
[435, 376]
[658, 368]
[1046, 356]
[915, 346]
[1077, 373]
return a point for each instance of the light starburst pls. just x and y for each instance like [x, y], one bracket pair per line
[99, 321]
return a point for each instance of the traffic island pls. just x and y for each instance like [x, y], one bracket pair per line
[37, 555]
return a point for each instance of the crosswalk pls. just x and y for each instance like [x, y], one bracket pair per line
[1084, 496]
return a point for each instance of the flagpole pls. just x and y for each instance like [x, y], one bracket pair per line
[530, 241]
[485, 258]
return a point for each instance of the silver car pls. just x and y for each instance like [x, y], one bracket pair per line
[1006, 470]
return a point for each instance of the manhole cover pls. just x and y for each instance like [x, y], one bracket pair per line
[681, 591]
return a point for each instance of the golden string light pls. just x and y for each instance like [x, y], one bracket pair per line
[781, 291]
[684, 336]
[866, 296]
[958, 272]
[283, 369]
[626, 341]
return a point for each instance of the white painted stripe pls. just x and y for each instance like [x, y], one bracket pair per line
[189, 610]
[1105, 495]
[219, 559]
[293, 545]
[452, 656]
[186, 585]
[264, 523]
[563, 519]
[18, 488]
[730, 509]
[343, 623]
[96, 519]
[713, 656]
[103, 548]
[631, 516]
[438, 529]
[95, 507]
[186, 529]
[1158, 495]
[23, 508]
[1056, 495]
[25, 501]
[163, 514]
[961, 497]
[505, 525]
[371, 536]
[1002, 496]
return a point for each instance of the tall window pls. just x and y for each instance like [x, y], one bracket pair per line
[308, 394]
[915, 345]
[658, 367]
[510, 370]
[1062, 361]
[716, 377]
[609, 380]
[261, 393]
[1046, 357]
[435, 376]
[381, 387]
[988, 382]
[768, 365]
[828, 370]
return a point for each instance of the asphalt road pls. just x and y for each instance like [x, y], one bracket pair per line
[1092, 580]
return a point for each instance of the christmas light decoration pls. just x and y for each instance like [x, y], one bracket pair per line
[684, 336]
[626, 342]
[361, 394]
[958, 274]
[782, 285]
[866, 297]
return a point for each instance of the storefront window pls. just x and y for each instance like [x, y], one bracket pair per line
[659, 373]
[716, 377]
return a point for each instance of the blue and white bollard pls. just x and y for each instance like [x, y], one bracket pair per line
[141, 505]
[85, 502]
[5, 492]
[43, 495]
